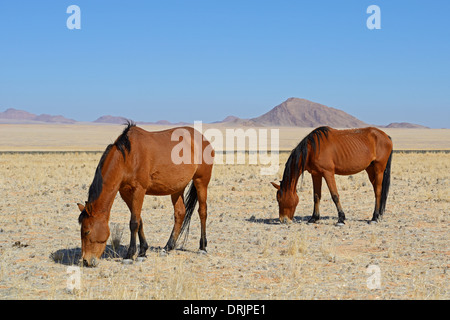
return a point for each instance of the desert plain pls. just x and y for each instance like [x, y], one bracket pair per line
[250, 254]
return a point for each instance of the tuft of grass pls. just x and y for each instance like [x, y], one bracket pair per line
[298, 245]
[116, 237]
[328, 250]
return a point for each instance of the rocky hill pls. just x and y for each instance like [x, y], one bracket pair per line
[19, 116]
[304, 113]
[294, 112]
[404, 125]
[111, 119]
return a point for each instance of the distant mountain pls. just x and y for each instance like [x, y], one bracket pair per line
[292, 112]
[111, 119]
[122, 120]
[53, 119]
[14, 114]
[229, 119]
[304, 113]
[406, 125]
[163, 122]
[19, 116]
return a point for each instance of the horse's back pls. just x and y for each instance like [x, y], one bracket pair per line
[350, 151]
[156, 158]
[377, 140]
[370, 136]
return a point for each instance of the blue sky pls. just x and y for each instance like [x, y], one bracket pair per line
[207, 59]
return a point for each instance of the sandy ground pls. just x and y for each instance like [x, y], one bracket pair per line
[250, 255]
[95, 137]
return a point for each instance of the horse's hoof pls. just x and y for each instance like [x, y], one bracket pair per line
[127, 261]
[373, 222]
[163, 253]
[140, 259]
[340, 224]
[203, 252]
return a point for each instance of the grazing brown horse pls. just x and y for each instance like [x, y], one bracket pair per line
[140, 163]
[326, 152]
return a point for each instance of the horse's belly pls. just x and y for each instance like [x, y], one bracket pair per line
[167, 182]
[161, 190]
[351, 167]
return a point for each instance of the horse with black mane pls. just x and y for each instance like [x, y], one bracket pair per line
[326, 152]
[139, 163]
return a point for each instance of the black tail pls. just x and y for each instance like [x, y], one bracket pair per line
[190, 202]
[385, 185]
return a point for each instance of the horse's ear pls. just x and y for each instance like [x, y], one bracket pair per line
[88, 208]
[80, 206]
[276, 186]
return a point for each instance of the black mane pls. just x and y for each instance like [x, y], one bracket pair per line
[123, 145]
[293, 168]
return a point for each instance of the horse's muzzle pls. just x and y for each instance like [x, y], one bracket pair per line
[285, 220]
[93, 262]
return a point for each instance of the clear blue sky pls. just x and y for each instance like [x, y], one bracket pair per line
[207, 59]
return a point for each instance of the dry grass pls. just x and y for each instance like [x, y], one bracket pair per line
[250, 256]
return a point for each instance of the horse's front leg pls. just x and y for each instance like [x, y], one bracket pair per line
[317, 194]
[143, 245]
[329, 178]
[134, 198]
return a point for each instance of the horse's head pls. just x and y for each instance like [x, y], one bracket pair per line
[94, 234]
[287, 202]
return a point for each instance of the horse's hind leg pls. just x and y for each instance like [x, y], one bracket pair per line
[179, 213]
[329, 178]
[376, 178]
[201, 187]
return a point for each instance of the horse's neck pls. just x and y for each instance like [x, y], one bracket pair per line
[292, 180]
[291, 185]
[112, 174]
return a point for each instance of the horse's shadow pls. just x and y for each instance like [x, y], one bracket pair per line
[273, 221]
[68, 257]
[72, 256]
